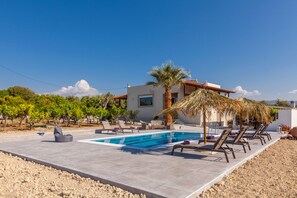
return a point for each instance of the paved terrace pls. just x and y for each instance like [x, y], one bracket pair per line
[157, 173]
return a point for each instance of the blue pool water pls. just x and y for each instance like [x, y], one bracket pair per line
[151, 140]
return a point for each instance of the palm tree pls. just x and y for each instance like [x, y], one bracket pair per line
[168, 76]
[204, 101]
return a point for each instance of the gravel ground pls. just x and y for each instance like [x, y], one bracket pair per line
[20, 178]
[273, 173]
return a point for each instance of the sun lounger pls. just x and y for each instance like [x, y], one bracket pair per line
[59, 137]
[144, 125]
[265, 133]
[106, 127]
[217, 146]
[236, 140]
[157, 124]
[256, 134]
[123, 127]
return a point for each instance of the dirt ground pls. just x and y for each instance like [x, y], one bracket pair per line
[20, 178]
[273, 173]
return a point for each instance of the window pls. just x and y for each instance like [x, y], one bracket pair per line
[146, 100]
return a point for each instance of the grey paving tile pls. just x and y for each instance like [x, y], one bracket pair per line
[168, 191]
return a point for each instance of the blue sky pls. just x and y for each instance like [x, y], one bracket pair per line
[251, 44]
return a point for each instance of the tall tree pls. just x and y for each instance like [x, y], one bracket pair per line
[3, 93]
[72, 98]
[168, 76]
[23, 92]
[106, 100]
[8, 109]
[282, 103]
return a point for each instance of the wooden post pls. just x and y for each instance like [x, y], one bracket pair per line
[204, 126]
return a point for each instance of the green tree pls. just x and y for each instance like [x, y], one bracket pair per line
[72, 98]
[42, 104]
[56, 108]
[7, 109]
[168, 76]
[106, 100]
[264, 102]
[3, 93]
[37, 114]
[89, 106]
[102, 113]
[23, 92]
[88, 112]
[24, 111]
[12, 107]
[55, 113]
[97, 106]
[76, 114]
[131, 114]
[90, 101]
[273, 113]
[66, 107]
[282, 103]
[115, 112]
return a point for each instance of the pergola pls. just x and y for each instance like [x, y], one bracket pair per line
[120, 99]
[192, 85]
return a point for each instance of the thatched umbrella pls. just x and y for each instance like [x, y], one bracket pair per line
[204, 101]
[253, 108]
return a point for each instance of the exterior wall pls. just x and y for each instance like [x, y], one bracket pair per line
[147, 113]
[294, 118]
[195, 120]
[227, 117]
[285, 117]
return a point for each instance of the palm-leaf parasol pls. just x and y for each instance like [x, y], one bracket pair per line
[204, 101]
[253, 108]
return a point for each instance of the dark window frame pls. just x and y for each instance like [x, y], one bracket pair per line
[146, 96]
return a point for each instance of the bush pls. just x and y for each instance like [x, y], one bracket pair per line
[285, 128]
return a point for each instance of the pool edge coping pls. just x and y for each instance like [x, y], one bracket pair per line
[90, 141]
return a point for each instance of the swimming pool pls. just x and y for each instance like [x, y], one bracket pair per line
[147, 141]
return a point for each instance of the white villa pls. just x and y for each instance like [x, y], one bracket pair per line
[286, 116]
[149, 101]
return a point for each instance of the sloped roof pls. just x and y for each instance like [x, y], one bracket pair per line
[122, 96]
[203, 85]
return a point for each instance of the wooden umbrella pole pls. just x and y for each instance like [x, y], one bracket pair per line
[204, 126]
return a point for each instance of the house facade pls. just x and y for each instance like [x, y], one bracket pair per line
[149, 100]
[286, 116]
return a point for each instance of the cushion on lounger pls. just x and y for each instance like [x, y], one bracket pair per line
[186, 142]
[210, 137]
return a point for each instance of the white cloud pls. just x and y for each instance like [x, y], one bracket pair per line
[293, 91]
[239, 90]
[81, 88]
